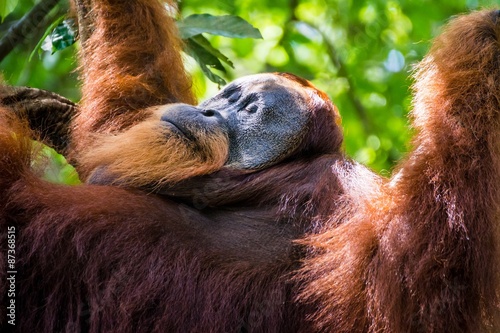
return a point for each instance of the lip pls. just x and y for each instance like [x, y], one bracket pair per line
[177, 129]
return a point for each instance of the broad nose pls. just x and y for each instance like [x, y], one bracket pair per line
[186, 111]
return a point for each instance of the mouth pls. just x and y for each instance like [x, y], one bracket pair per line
[175, 128]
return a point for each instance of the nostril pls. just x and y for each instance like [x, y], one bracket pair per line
[208, 113]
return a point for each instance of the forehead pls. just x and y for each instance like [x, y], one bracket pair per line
[268, 82]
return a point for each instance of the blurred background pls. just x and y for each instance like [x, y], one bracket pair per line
[361, 53]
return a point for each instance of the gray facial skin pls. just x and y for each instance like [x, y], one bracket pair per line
[266, 118]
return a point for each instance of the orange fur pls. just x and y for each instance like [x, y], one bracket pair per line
[16, 149]
[130, 62]
[415, 253]
[151, 154]
[421, 254]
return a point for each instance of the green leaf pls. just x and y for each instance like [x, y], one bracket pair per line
[7, 7]
[206, 59]
[202, 42]
[212, 76]
[63, 35]
[47, 32]
[58, 36]
[226, 25]
[54, 166]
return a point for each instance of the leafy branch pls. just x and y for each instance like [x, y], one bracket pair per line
[31, 22]
[62, 33]
[199, 48]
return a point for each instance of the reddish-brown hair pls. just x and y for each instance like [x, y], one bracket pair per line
[420, 254]
[227, 252]
[130, 61]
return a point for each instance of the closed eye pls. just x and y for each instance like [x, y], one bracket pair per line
[252, 109]
[250, 98]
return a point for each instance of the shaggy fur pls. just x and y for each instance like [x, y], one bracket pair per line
[214, 253]
[421, 255]
[139, 66]
[169, 157]
[107, 259]
[227, 251]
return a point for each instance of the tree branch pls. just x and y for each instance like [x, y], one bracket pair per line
[25, 26]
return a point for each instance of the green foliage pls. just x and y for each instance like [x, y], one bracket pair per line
[197, 46]
[61, 34]
[226, 25]
[360, 53]
[207, 56]
[58, 36]
[61, 37]
[51, 72]
[56, 168]
[7, 7]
